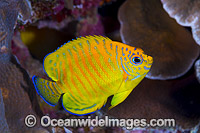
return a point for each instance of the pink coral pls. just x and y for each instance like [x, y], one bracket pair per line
[87, 28]
[81, 7]
[60, 6]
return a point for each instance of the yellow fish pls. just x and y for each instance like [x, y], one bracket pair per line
[86, 71]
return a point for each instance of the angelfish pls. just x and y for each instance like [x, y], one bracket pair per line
[86, 71]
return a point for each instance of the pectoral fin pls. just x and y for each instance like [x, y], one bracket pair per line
[119, 97]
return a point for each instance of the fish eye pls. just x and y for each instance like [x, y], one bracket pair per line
[136, 60]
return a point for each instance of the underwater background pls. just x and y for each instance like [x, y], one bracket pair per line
[167, 30]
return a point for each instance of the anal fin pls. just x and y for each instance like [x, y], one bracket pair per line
[80, 108]
[119, 97]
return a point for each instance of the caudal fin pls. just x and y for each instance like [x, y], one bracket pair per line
[48, 90]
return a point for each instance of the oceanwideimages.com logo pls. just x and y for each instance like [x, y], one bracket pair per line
[46, 121]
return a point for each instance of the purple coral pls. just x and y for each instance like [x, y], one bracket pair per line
[86, 28]
[82, 7]
[60, 6]
[22, 53]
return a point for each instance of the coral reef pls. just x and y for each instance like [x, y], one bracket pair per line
[58, 10]
[197, 69]
[172, 47]
[177, 99]
[186, 13]
[15, 83]
[41, 26]
[45, 40]
[85, 27]
[3, 122]
[9, 12]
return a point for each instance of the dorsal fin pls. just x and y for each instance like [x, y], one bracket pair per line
[98, 39]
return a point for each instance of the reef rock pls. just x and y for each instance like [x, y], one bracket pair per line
[3, 122]
[145, 24]
[15, 84]
[197, 69]
[155, 99]
[186, 13]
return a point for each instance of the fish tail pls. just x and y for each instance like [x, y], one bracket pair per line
[48, 90]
